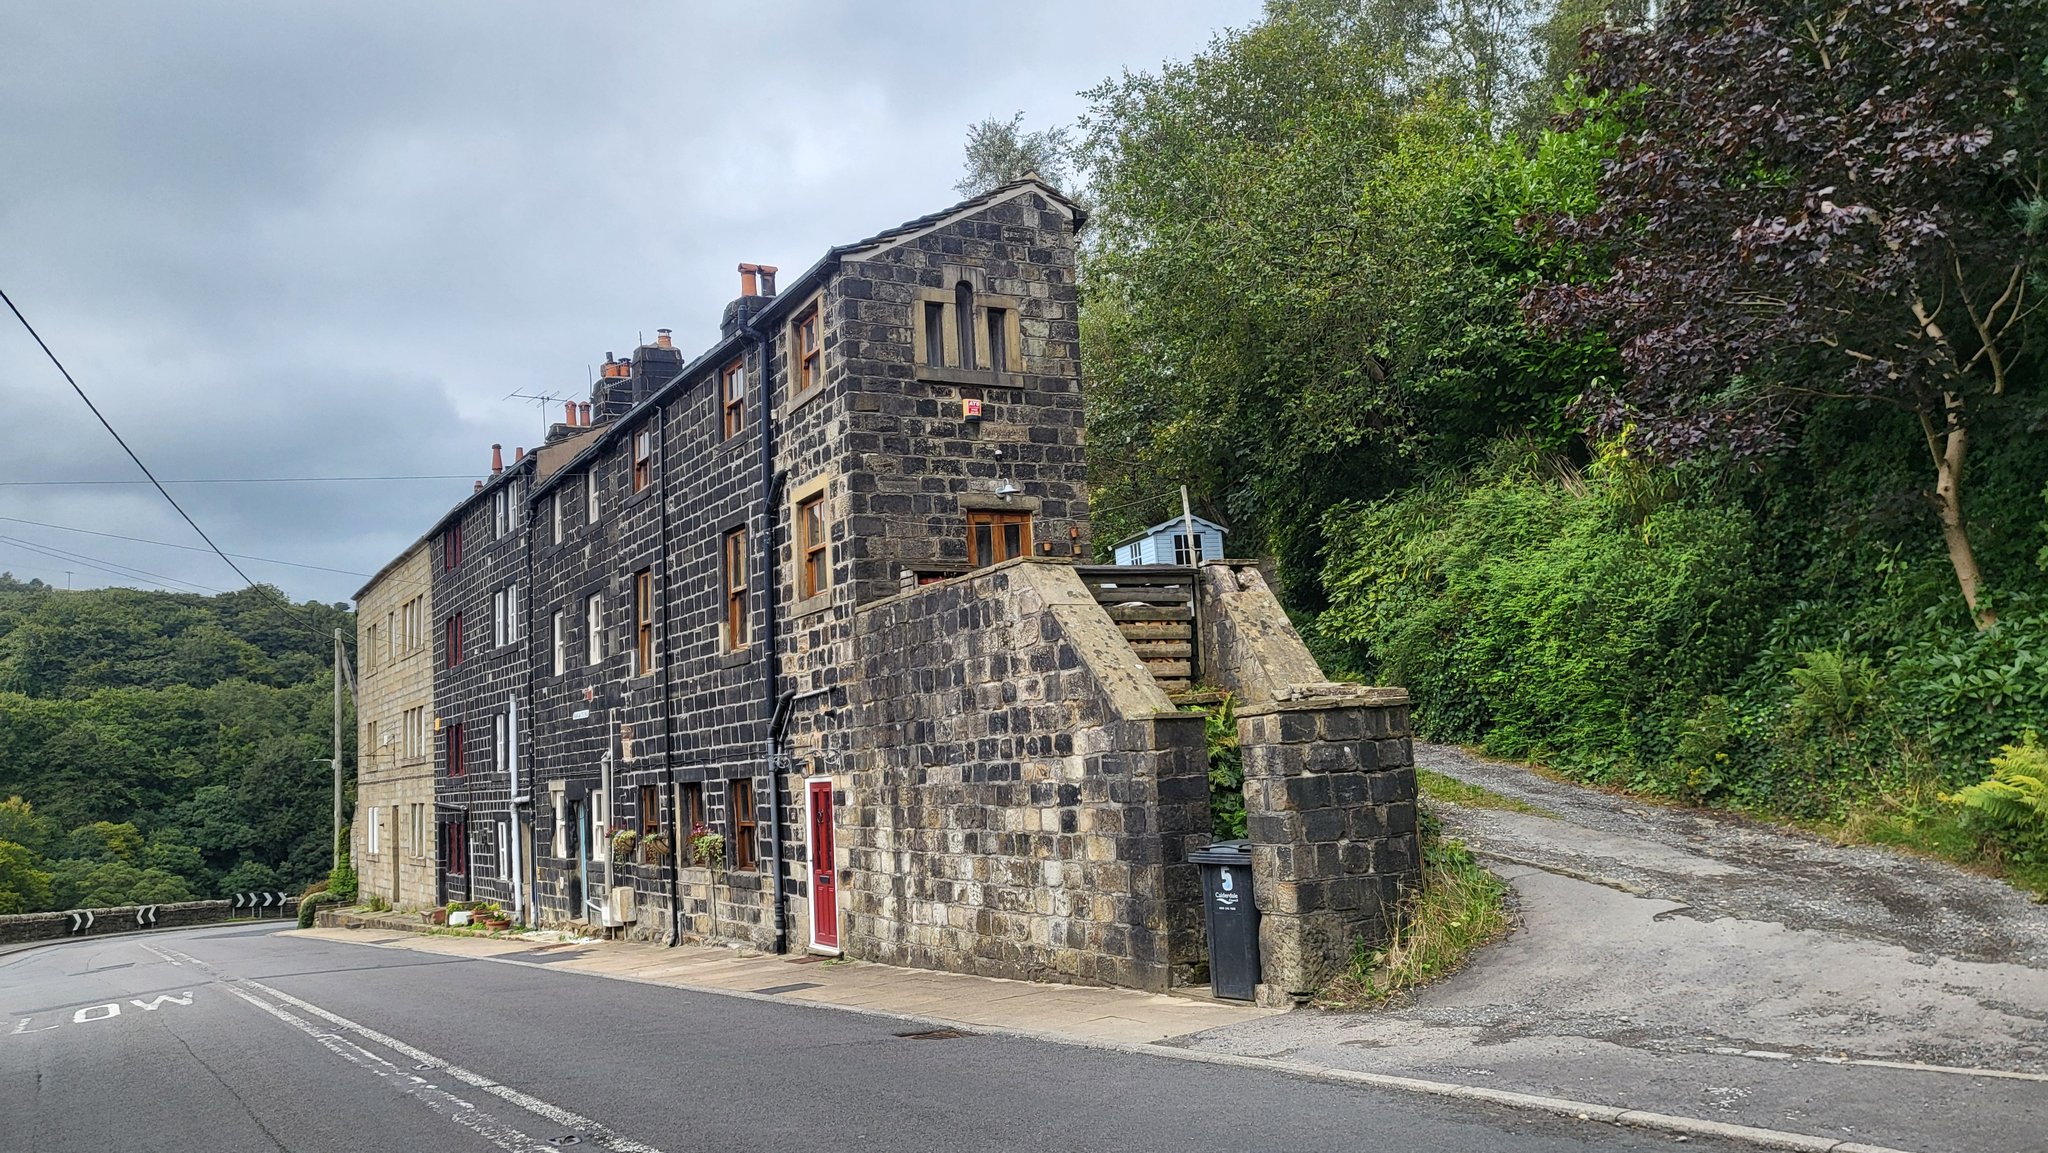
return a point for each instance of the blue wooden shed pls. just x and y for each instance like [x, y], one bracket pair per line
[1167, 543]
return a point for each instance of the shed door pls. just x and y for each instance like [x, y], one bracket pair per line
[824, 877]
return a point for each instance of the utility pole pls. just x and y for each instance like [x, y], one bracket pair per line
[1187, 522]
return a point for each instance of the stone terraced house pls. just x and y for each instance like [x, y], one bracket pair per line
[790, 644]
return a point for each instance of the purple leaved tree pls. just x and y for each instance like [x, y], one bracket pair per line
[1814, 199]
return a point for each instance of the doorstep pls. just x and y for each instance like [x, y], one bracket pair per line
[1083, 1013]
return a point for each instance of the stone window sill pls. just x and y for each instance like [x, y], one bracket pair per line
[987, 378]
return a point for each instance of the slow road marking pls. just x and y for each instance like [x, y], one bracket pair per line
[409, 1081]
[105, 1011]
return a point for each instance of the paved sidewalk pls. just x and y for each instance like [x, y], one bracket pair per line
[1089, 1015]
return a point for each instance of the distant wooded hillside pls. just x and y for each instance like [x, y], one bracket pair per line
[162, 746]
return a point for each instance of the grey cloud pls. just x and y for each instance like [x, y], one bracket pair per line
[289, 240]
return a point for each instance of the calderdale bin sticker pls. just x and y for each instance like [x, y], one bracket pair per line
[1226, 892]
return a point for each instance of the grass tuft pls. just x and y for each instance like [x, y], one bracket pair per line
[1472, 796]
[1461, 908]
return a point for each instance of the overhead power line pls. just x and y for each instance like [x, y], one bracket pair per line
[236, 480]
[111, 568]
[186, 547]
[104, 423]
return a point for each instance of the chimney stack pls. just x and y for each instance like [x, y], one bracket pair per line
[479, 487]
[497, 459]
[757, 280]
[663, 339]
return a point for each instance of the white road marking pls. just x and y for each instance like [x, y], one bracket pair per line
[162, 999]
[113, 1009]
[23, 1027]
[440, 1101]
[593, 1131]
[161, 953]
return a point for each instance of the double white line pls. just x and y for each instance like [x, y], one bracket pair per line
[419, 1082]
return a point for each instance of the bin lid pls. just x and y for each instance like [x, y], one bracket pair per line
[1223, 853]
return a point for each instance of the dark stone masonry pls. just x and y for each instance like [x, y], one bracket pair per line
[812, 592]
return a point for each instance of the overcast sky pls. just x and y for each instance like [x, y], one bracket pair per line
[316, 240]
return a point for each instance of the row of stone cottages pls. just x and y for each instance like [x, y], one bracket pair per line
[789, 644]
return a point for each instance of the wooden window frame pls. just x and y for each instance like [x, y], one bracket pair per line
[650, 809]
[451, 633]
[996, 519]
[732, 571]
[807, 351]
[732, 398]
[643, 459]
[455, 749]
[814, 546]
[741, 819]
[690, 801]
[643, 621]
[451, 547]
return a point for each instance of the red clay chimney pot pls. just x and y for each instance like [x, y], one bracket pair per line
[497, 459]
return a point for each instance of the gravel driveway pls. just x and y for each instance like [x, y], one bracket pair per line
[1697, 962]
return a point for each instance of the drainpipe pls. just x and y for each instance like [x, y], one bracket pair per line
[678, 837]
[771, 487]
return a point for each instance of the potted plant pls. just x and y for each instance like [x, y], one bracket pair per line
[707, 848]
[654, 848]
[491, 915]
[623, 841]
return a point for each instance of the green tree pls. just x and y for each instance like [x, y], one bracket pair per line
[24, 888]
[999, 151]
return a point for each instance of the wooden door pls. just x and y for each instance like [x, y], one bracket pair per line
[824, 874]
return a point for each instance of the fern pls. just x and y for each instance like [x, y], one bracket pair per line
[2016, 793]
[1834, 690]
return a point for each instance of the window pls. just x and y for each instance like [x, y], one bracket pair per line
[998, 339]
[812, 551]
[452, 633]
[500, 623]
[561, 642]
[643, 458]
[415, 624]
[417, 841]
[963, 318]
[370, 647]
[650, 808]
[501, 742]
[555, 517]
[934, 333]
[375, 847]
[734, 572]
[370, 745]
[1181, 553]
[501, 512]
[504, 852]
[994, 537]
[590, 496]
[455, 750]
[806, 352]
[732, 394]
[451, 546]
[692, 803]
[513, 631]
[391, 649]
[740, 796]
[600, 843]
[414, 737]
[593, 629]
[643, 621]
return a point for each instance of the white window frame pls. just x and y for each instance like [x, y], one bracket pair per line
[590, 488]
[374, 850]
[593, 629]
[504, 852]
[561, 642]
[499, 624]
[501, 741]
[555, 517]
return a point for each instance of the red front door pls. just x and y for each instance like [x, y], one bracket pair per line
[824, 878]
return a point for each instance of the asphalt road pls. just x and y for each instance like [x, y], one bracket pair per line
[232, 1039]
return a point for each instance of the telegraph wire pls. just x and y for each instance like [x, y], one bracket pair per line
[111, 568]
[237, 480]
[186, 547]
[104, 423]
